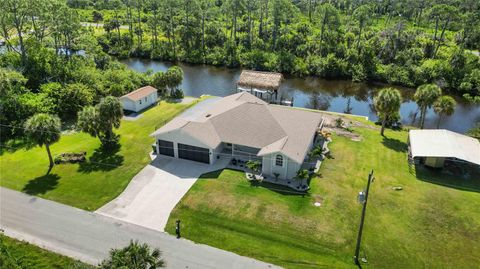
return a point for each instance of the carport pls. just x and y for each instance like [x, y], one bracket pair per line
[434, 147]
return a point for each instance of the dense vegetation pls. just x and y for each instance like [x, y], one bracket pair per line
[54, 63]
[401, 42]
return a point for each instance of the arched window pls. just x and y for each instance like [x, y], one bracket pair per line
[279, 160]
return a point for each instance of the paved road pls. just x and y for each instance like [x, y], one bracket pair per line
[88, 236]
[152, 194]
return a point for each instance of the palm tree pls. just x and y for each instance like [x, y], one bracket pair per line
[444, 105]
[301, 175]
[134, 256]
[425, 96]
[43, 129]
[387, 102]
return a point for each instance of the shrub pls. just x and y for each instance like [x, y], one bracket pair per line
[177, 94]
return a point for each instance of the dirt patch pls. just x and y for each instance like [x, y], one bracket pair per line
[332, 124]
[345, 133]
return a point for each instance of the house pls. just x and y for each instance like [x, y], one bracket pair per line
[434, 147]
[139, 99]
[242, 126]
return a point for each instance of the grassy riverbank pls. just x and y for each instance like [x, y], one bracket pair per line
[93, 183]
[426, 225]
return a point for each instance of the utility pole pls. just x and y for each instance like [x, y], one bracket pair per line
[362, 220]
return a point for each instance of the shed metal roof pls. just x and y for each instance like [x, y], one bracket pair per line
[444, 143]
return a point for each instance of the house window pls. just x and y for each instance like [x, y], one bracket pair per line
[279, 160]
[140, 101]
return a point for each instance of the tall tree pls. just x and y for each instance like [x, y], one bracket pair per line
[387, 103]
[207, 9]
[129, 5]
[154, 21]
[169, 20]
[235, 8]
[43, 129]
[444, 105]
[425, 96]
[443, 14]
[139, 30]
[100, 120]
[362, 15]
[14, 17]
[328, 17]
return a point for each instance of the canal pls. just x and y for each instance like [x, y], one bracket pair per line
[332, 95]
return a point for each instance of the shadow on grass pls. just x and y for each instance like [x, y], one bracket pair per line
[395, 144]
[11, 146]
[456, 179]
[102, 159]
[41, 185]
[211, 175]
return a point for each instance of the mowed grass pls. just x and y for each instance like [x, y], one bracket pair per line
[425, 225]
[91, 184]
[19, 254]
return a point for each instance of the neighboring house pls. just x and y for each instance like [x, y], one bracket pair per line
[139, 99]
[433, 147]
[243, 126]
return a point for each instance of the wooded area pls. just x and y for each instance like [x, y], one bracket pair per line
[57, 55]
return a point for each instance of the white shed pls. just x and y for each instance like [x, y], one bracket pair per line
[437, 145]
[139, 99]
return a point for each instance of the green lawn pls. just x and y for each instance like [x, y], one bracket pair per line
[21, 255]
[426, 225]
[91, 184]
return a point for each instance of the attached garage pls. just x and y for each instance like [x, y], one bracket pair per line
[165, 148]
[193, 153]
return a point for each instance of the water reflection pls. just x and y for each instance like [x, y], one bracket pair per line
[333, 95]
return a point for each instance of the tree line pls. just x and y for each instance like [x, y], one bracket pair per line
[51, 63]
[403, 42]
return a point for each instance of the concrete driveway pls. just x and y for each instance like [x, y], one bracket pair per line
[155, 190]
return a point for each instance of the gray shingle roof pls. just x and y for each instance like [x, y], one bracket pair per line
[244, 119]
